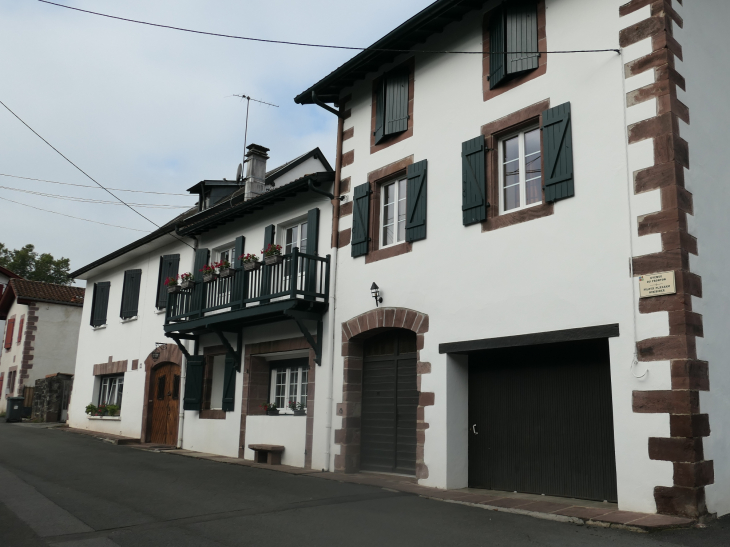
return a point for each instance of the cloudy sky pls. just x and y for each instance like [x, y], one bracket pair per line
[145, 108]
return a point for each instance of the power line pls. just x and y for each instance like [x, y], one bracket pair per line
[93, 201]
[96, 187]
[311, 45]
[89, 176]
[69, 216]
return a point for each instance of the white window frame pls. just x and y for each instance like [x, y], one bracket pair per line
[288, 226]
[229, 248]
[111, 384]
[381, 236]
[523, 179]
[301, 372]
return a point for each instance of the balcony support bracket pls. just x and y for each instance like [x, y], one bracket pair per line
[229, 348]
[299, 317]
[177, 337]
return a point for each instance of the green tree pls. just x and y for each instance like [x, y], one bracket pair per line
[27, 263]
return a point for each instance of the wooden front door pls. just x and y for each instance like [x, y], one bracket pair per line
[389, 403]
[165, 396]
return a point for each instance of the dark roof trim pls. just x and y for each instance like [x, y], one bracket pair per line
[11, 275]
[416, 30]
[568, 335]
[317, 154]
[230, 209]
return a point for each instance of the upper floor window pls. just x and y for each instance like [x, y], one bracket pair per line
[20, 328]
[393, 213]
[168, 268]
[520, 176]
[296, 236]
[9, 327]
[513, 36]
[100, 303]
[130, 294]
[392, 107]
[226, 253]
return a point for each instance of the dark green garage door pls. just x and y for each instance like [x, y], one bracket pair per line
[389, 403]
[541, 420]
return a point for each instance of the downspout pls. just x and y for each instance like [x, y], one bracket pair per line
[183, 370]
[333, 292]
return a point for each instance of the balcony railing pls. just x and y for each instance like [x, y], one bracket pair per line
[299, 275]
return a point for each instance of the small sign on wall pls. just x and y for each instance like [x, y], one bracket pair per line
[657, 284]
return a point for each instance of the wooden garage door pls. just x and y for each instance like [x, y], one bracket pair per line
[541, 420]
[389, 403]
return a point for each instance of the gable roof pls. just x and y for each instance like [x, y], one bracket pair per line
[276, 172]
[8, 273]
[416, 30]
[25, 292]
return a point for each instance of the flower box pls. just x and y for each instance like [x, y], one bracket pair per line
[300, 413]
[173, 289]
[251, 266]
[272, 412]
[208, 278]
[187, 284]
[273, 259]
[225, 273]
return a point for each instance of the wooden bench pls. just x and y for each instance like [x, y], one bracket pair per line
[267, 453]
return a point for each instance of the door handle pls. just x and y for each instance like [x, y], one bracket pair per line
[474, 429]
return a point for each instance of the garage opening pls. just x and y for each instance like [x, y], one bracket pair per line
[541, 420]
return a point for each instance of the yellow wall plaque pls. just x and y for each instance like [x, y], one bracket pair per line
[657, 284]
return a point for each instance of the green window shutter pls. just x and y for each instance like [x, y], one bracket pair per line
[169, 265]
[497, 48]
[380, 112]
[313, 231]
[269, 233]
[229, 384]
[130, 294]
[360, 219]
[416, 201]
[396, 103]
[201, 259]
[194, 383]
[557, 138]
[100, 303]
[239, 247]
[473, 181]
[521, 26]
[198, 296]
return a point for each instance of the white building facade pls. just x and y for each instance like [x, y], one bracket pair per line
[508, 206]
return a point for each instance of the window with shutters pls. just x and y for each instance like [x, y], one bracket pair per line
[295, 235]
[289, 383]
[100, 303]
[392, 107]
[9, 328]
[130, 294]
[520, 171]
[11, 382]
[513, 35]
[169, 265]
[111, 389]
[213, 377]
[393, 213]
[20, 328]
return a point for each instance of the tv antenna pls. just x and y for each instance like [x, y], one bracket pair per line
[239, 174]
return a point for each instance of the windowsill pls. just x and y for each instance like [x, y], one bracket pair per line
[388, 252]
[159, 311]
[215, 414]
[99, 327]
[129, 319]
[109, 418]
[518, 217]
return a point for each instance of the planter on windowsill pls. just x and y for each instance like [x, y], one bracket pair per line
[273, 259]
[208, 278]
[172, 289]
[188, 284]
[251, 266]
[272, 412]
[300, 413]
[225, 273]
[112, 418]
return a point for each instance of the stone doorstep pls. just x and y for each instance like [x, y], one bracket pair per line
[523, 504]
[106, 437]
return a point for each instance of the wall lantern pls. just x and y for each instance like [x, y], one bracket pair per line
[156, 353]
[375, 291]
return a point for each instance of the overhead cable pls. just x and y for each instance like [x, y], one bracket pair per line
[69, 216]
[303, 44]
[89, 176]
[93, 201]
[96, 187]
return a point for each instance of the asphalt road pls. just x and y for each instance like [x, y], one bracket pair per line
[70, 490]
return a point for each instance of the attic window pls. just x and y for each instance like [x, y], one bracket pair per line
[513, 38]
[391, 104]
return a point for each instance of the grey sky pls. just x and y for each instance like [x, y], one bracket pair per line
[146, 108]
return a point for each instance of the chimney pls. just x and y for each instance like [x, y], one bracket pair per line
[255, 170]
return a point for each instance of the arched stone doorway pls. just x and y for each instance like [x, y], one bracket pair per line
[385, 342]
[163, 393]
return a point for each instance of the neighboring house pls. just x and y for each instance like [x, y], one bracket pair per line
[250, 325]
[511, 206]
[5, 276]
[41, 334]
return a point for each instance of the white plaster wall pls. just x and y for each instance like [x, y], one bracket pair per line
[565, 271]
[307, 167]
[12, 357]
[122, 340]
[287, 430]
[705, 68]
[56, 340]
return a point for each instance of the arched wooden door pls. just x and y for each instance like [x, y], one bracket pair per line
[165, 396]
